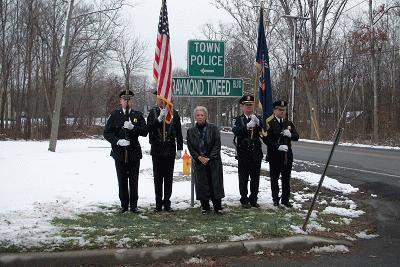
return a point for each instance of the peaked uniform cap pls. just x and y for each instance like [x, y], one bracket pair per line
[124, 94]
[280, 103]
[246, 99]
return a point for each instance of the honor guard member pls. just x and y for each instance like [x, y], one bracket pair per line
[166, 146]
[247, 128]
[123, 128]
[280, 133]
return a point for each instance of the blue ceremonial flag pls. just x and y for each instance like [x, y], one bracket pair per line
[264, 84]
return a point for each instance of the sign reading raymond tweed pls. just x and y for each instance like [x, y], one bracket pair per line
[207, 87]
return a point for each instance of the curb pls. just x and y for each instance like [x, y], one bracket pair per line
[149, 255]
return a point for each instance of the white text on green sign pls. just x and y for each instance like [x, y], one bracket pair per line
[208, 87]
[206, 58]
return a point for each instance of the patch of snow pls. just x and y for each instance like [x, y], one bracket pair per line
[123, 242]
[346, 236]
[200, 238]
[301, 197]
[297, 230]
[330, 249]
[343, 212]
[246, 236]
[365, 235]
[351, 144]
[329, 183]
[195, 260]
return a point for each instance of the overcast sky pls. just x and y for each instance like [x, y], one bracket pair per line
[186, 18]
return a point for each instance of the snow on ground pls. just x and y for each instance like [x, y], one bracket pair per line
[38, 185]
[351, 144]
[365, 235]
[330, 249]
[347, 144]
[351, 213]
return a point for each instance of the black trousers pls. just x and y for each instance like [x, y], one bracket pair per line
[128, 176]
[217, 202]
[276, 169]
[246, 169]
[163, 171]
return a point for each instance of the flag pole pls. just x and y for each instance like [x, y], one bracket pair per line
[164, 126]
[321, 180]
[257, 77]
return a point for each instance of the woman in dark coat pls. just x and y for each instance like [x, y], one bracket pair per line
[204, 143]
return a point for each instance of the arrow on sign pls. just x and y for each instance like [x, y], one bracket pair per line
[206, 71]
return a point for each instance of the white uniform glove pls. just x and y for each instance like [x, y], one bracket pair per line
[163, 113]
[255, 119]
[287, 133]
[178, 154]
[128, 125]
[283, 148]
[251, 124]
[123, 142]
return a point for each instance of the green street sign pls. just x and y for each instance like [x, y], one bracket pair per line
[206, 58]
[207, 87]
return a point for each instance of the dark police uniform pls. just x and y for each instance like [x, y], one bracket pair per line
[163, 154]
[249, 155]
[126, 172]
[280, 162]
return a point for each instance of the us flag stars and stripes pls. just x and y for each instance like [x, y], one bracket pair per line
[162, 68]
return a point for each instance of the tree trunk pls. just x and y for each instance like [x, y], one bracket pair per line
[374, 72]
[60, 83]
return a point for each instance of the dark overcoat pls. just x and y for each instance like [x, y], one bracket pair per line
[248, 142]
[214, 168]
[173, 131]
[275, 138]
[114, 131]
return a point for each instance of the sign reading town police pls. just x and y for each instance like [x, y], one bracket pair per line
[206, 58]
[207, 87]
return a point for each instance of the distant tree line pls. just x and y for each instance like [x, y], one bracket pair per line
[100, 47]
[347, 65]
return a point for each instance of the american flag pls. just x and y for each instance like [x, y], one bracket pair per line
[262, 58]
[162, 68]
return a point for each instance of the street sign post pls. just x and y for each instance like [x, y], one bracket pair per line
[207, 87]
[206, 58]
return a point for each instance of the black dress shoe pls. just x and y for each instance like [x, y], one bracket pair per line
[204, 212]
[246, 206]
[218, 212]
[157, 209]
[168, 209]
[276, 203]
[135, 210]
[255, 205]
[287, 204]
[123, 210]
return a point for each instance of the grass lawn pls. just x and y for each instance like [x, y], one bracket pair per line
[107, 228]
[110, 229]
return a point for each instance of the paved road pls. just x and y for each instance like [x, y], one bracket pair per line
[373, 171]
[348, 162]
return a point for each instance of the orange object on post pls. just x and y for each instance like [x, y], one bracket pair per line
[186, 163]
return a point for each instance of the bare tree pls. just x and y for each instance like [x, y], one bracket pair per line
[116, 5]
[130, 53]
